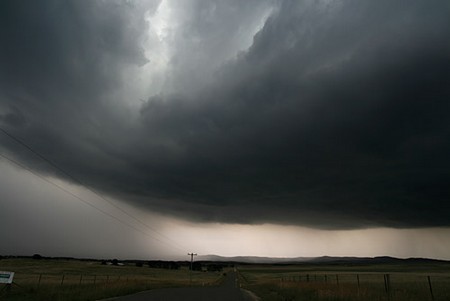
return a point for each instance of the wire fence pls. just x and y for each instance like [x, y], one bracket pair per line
[394, 286]
[44, 280]
[75, 287]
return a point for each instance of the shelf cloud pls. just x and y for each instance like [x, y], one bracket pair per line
[327, 114]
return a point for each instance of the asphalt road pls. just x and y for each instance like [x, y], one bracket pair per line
[228, 291]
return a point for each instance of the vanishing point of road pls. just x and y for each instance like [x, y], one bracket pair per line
[229, 290]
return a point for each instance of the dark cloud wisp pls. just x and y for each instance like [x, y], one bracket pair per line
[336, 116]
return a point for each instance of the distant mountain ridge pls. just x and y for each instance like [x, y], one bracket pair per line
[322, 259]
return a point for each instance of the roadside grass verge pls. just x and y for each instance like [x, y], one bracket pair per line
[341, 283]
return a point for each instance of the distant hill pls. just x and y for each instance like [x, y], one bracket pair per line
[325, 260]
[251, 259]
[317, 260]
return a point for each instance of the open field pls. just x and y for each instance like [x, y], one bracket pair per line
[320, 282]
[71, 280]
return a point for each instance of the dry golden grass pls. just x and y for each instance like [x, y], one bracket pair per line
[321, 283]
[72, 280]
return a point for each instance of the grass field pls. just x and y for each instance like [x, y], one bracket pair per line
[320, 282]
[72, 280]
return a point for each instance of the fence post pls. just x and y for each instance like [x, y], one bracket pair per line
[95, 278]
[81, 278]
[357, 278]
[337, 279]
[107, 278]
[326, 280]
[387, 285]
[39, 281]
[431, 288]
[62, 279]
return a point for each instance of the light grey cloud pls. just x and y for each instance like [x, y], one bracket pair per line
[203, 35]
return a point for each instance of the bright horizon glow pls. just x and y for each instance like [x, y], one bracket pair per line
[270, 240]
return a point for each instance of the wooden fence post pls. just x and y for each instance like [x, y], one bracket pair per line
[387, 285]
[431, 288]
[95, 278]
[62, 279]
[39, 281]
[337, 279]
[81, 279]
[357, 278]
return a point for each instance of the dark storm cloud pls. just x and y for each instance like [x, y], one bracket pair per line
[59, 60]
[336, 116]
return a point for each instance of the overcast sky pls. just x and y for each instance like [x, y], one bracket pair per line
[236, 123]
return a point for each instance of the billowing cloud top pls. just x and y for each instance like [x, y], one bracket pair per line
[322, 113]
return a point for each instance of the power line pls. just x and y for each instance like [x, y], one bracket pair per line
[190, 271]
[79, 198]
[76, 180]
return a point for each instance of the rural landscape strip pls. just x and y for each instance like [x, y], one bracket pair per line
[40, 278]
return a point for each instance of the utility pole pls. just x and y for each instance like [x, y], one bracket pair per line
[190, 272]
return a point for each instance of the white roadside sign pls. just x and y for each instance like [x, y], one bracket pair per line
[6, 277]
